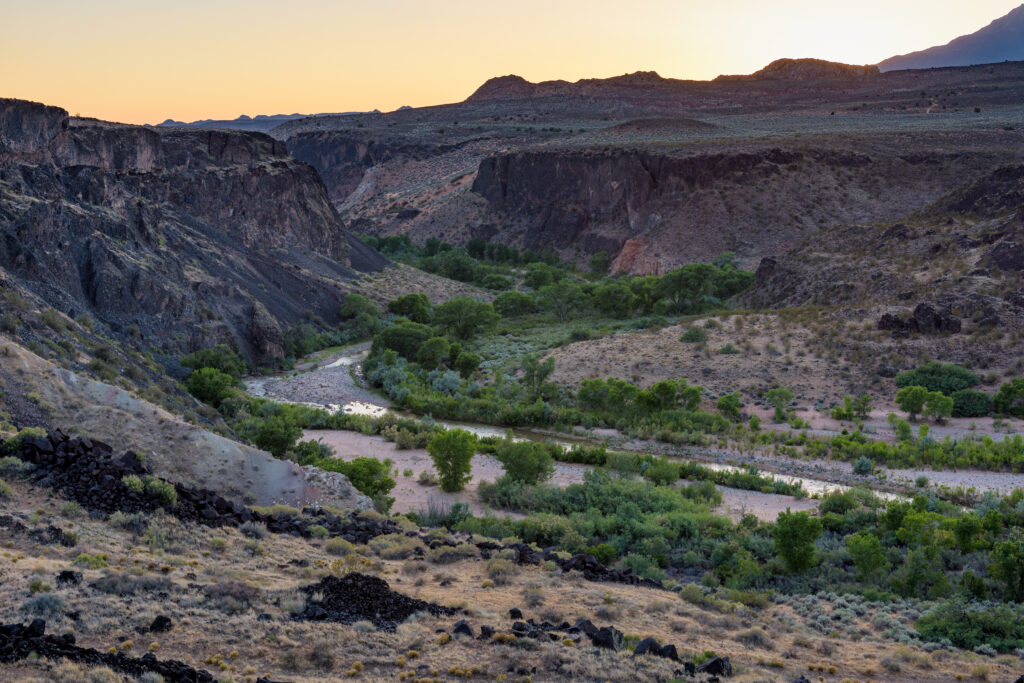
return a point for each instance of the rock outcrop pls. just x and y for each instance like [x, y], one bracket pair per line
[342, 158]
[653, 211]
[180, 234]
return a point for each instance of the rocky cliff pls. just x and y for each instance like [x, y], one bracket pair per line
[651, 211]
[181, 238]
[342, 158]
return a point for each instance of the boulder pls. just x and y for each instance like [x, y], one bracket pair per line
[462, 628]
[161, 624]
[648, 646]
[719, 666]
[609, 638]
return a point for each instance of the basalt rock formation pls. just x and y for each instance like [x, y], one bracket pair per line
[342, 159]
[182, 238]
[652, 211]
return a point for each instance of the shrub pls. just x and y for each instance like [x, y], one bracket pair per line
[863, 466]
[415, 307]
[971, 403]
[447, 554]
[253, 529]
[369, 475]
[221, 358]
[134, 522]
[662, 472]
[5, 490]
[134, 482]
[452, 451]
[912, 399]
[604, 553]
[729, 405]
[945, 378]
[339, 546]
[514, 304]
[1010, 398]
[14, 466]
[794, 535]
[968, 625]
[163, 491]
[210, 385]
[524, 461]
[71, 510]
[395, 546]
[694, 335]
[43, 605]
[500, 570]
[97, 561]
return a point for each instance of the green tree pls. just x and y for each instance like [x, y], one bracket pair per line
[911, 400]
[433, 352]
[688, 396]
[354, 304]
[1008, 566]
[210, 385]
[1009, 400]
[599, 263]
[452, 452]
[536, 373]
[645, 289]
[938, 406]
[779, 397]
[276, 434]
[524, 461]
[729, 405]
[415, 307]
[514, 304]
[541, 275]
[685, 287]
[464, 316]
[220, 357]
[794, 535]
[564, 299]
[614, 299]
[867, 554]
[467, 364]
[404, 338]
[862, 406]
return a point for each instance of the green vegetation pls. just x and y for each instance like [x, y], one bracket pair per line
[452, 452]
[944, 378]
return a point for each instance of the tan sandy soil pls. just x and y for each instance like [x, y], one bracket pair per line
[769, 643]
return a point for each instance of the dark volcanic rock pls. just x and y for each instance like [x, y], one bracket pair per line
[719, 666]
[609, 638]
[18, 642]
[927, 320]
[160, 624]
[1007, 256]
[357, 597]
[172, 232]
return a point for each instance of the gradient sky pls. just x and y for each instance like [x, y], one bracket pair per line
[141, 61]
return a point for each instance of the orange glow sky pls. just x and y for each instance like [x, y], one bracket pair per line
[141, 61]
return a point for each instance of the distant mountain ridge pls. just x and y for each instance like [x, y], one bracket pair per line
[262, 123]
[1000, 41]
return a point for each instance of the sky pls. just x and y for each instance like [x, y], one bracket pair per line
[140, 61]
